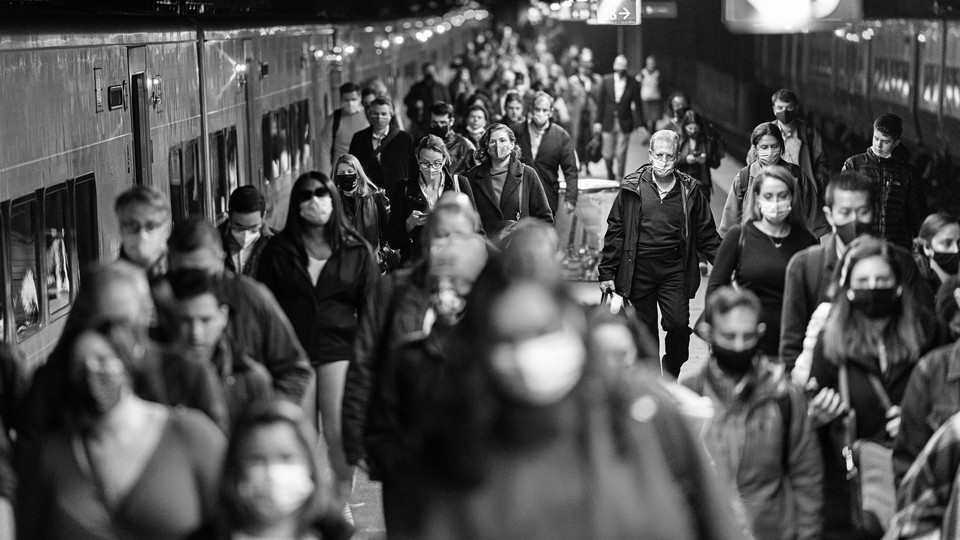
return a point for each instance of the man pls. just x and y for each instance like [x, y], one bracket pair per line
[761, 419]
[584, 91]
[679, 105]
[144, 217]
[258, 326]
[619, 102]
[898, 200]
[340, 126]
[512, 108]
[243, 234]
[801, 141]
[548, 148]
[650, 250]
[462, 151]
[422, 96]
[383, 150]
[850, 212]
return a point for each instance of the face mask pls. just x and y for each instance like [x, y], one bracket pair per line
[346, 182]
[948, 262]
[621, 72]
[246, 238]
[276, 490]
[317, 210]
[849, 231]
[502, 151]
[440, 131]
[786, 116]
[774, 210]
[447, 303]
[100, 391]
[874, 303]
[541, 119]
[735, 362]
[678, 113]
[663, 169]
[768, 156]
[542, 370]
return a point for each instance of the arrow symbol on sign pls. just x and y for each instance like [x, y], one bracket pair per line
[625, 13]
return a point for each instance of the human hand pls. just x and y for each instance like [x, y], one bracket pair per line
[825, 406]
[691, 158]
[893, 421]
[569, 206]
[607, 286]
[597, 128]
[416, 219]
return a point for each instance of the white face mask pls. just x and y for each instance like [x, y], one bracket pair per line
[276, 490]
[246, 238]
[664, 168]
[317, 210]
[541, 370]
[768, 156]
[775, 210]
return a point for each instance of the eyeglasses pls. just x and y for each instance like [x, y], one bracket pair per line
[435, 165]
[245, 228]
[135, 227]
[305, 195]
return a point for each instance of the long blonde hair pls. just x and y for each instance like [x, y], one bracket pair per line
[365, 186]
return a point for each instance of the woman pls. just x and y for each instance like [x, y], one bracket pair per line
[755, 255]
[768, 140]
[507, 190]
[365, 206]
[475, 123]
[271, 485]
[323, 275]
[415, 198]
[121, 467]
[649, 79]
[875, 330]
[460, 88]
[696, 158]
[936, 245]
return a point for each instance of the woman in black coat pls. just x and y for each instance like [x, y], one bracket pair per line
[323, 275]
[506, 190]
[365, 206]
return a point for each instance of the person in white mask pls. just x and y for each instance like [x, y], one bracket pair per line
[244, 234]
[272, 486]
[144, 216]
[768, 144]
[754, 255]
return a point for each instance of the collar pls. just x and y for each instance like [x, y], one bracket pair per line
[881, 159]
[379, 137]
[787, 133]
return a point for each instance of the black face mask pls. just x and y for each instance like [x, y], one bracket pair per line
[736, 363]
[346, 182]
[439, 131]
[848, 232]
[679, 113]
[875, 303]
[786, 117]
[948, 262]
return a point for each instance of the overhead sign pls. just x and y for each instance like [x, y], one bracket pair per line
[618, 12]
[786, 16]
[658, 10]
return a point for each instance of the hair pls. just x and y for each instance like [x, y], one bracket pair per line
[482, 155]
[367, 91]
[450, 203]
[889, 124]
[676, 95]
[529, 251]
[767, 128]
[336, 231]
[432, 142]
[933, 224]
[512, 97]
[349, 88]
[946, 303]
[442, 108]
[627, 317]
[144, 196]
[365, 186]
[193, 234]
[725, 299]
[379, 101]
[480, 108]
[257, 416]
[691, 117]
[847, 334]
[666, 135]
[784, 95]
[751, 203]
[189, 283]
[848, 181]
[247, 199]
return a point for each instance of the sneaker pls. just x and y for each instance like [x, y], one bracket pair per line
[704, 269]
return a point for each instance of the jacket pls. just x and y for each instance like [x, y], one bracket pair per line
[324, 315]
[697, 234]
[556, 151]
[393, 162]
[761, 468]
[462, 153]
[231, 247]
[522, 196]
[369, 215]
[899, 204]
[428, 92]
[931, 398]
[407, 197]
[629, 105]
[741, 195]
[242, 380]
[812, 159]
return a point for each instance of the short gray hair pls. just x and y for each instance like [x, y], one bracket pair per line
[666, 135]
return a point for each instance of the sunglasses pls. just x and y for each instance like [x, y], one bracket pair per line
[306, 194]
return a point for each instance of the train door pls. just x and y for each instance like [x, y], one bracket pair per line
[140, 114]
[253, 149]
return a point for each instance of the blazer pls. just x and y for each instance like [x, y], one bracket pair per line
[556, 152]
[522, 196]
[394, 162]
[608, 108]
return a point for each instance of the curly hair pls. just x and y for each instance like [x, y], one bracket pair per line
[483, 156]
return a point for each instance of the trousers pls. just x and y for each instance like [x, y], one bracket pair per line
[659, 281]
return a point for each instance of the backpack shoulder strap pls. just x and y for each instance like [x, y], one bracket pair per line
[785, 404]
[744, 181]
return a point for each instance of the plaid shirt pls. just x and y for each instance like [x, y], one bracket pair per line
[929, 497]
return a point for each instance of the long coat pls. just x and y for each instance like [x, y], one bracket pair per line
[556, 152]
[522, 196]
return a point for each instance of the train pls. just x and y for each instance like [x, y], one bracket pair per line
[93, 104]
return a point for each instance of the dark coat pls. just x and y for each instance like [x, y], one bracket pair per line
[556, 151]
[462, 153]
[697, 234]
[394, 159]
[522, 196]
[324, 315]
[407, 198]
[429, 91]
[629, 105]
[370, 215]
[231, 247]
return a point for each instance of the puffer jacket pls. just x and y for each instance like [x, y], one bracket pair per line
[747, 442]
[899, 204]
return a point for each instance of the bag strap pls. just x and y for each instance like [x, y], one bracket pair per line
[849, 422]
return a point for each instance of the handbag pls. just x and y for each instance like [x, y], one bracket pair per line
[869, 466]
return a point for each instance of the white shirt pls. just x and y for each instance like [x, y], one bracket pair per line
[791, 144]
[649, 85]
[314, 267]
[535, 138]
[619, 86]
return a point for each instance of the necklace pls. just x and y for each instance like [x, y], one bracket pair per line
[776, 241]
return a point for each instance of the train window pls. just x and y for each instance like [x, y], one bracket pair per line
[223, 152]
[283, 133]
[176, 184]
[930, 91]
[193, 191]
[293, 136]
[271, 151]
[24, 265]
[86, 219]
[56, 217]
[951, 89]
[303, 128]
[233, 165]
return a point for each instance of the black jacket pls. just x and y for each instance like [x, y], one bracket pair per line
[407, 198]
[555, 152]
[697, 234]
[609, 108]
[522, 196]
[324, 315]
[231, 247]
[369, 215]
[394, 160]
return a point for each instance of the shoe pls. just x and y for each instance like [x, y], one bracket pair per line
[704, 269]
